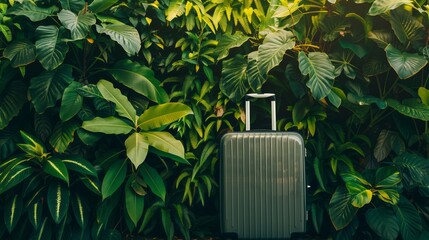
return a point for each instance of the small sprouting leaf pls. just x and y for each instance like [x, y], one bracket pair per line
[58, 200]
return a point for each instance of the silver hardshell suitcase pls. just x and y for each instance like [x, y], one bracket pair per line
[262, 182]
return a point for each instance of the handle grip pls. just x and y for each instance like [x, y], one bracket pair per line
[273, 108]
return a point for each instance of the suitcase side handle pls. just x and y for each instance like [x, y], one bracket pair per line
[273, 108]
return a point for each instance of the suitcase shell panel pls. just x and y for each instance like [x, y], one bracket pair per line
[262, 184]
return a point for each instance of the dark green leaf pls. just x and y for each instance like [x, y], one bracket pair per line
[228, 41]
[55, 167]
[48, 87]
[14, 176]
[35, 214]
[72, 5]
[140, 79]
[387, 177]
[411, 108]
[11, 101]
[20, 53]
[81, 210]
[407, 28]
[410, 222]
[51, 50]
[71, 102]
[58, 199]
[153, 180]
[416, 166]
[32, 11]
[340, 209]
[79, 25]
[405, 64]
[79, 164]
[234, 82]
[167, 223]
[114, 178]
[148, 215]
[91, 184]
[12, 211]
[63, 135]
[134, 203]
[100, 5]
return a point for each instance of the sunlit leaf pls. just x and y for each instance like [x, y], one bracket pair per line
[109, 125]
[166, 143]
[100, 5]
[79, 25]
[405, 64]
[161, 115]
[137, 148]
[382, 6]
[126, 36]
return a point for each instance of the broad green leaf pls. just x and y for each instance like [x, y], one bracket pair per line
[63, 135]
[320, 70]
[334, 98]
[126, 36]
[71, 102]
[356, 49]
[80, 165]
[383, 146]
[140, 79]
[340, 209]
[20, 53]
[362, 198]
[387, 177]
[381, 6]
[411, 108]
[410, 222]
[407, 28]
[122, 106]
[381, 37]
[234, 82]
[12, 211]
[405, 64]
[15, 176]
[91, 184]
[161, 115]
[271, 52]
[165, 142]
[79, 25]
[355, 181]
[149, 213]
[153, 180]
[366, 100]
[50, 49]
[58, 199]
[176, 8]
[134, 203]
[7, 33]
[12, 100]
[35, 214]
[137, 148]
[255, 77]
[48, 87]
[228, 41]
[89, 91]
[32, 11]
[114, 178]
[424, 95]
[388, 195]
[332, 27]
[383, 222]
[414, 166]
[81, 210]
[109, 125]
[72, 5]
[100, 5]
[55, 167]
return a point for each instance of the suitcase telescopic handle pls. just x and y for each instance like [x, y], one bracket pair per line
[273, 108]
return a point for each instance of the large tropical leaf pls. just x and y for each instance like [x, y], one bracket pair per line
[58, 199]
[161, 115]
[71, 102]
[79, 25]
[134, 203]
[63, 135]
[382, 37]
[414, 167]
[340, 209]
[410, 222]
[176, 8]
[126, 36]
[11, 101]
[406, 27]
[81, 210]
[32, 11]
[20, 53]
[255, 77]
[114, 178]
[72, 5]
[100, 5]
[228, 41]
[382, 6]
[273, 49]
[139, 78]
[153, 180]
[122, 106]
[234, 82]
[12, 211]
[321, 71]
[55, 167]
[48, 87]
[410, 107]
[166, 143]
[51, 50]
[384, 222]
[137, 148]
[405, 64]
[109, 125]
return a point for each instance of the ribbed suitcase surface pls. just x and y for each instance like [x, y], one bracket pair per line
[263, 184]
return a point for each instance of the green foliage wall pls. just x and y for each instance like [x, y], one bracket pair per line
[111, 112]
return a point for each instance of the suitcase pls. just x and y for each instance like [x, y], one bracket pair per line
[262, 182]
